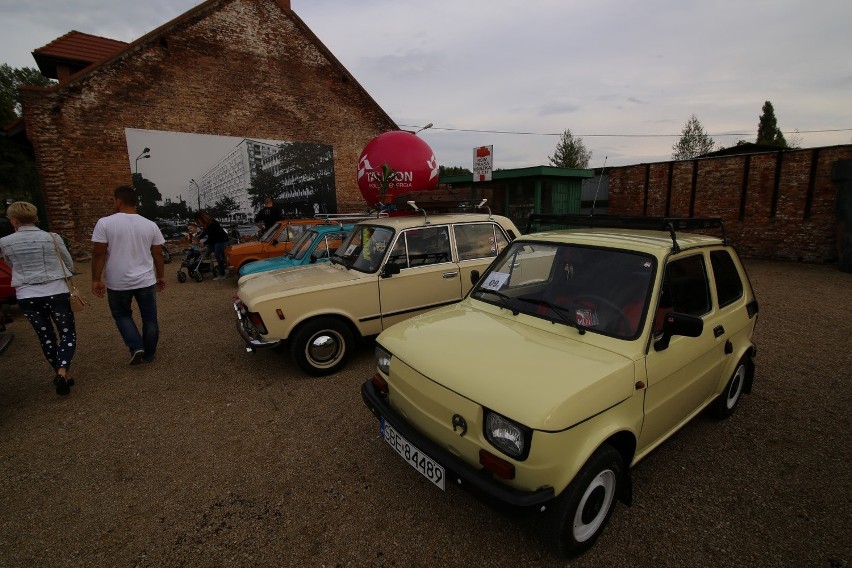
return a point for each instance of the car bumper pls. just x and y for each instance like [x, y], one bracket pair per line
[248, 332]
[464, 474]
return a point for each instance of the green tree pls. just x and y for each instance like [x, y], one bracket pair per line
[147, 196]
[223, 208]
[10, 97]
[177, 210]
[570, 152]
[263, 184]
[767, 128]
[693, 141]
[453, 171]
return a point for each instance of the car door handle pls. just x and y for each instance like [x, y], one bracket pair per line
[451, 274]
[718, 331]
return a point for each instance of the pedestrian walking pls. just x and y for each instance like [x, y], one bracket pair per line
[216, 239]
[40, 262]
[127, 264]
[268, 214]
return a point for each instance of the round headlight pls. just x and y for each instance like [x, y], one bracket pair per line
[505, 435]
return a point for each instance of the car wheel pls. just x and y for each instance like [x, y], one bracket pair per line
[726, 403]
[197, 275]
[580, 513]
[321, 346]
[181, 276]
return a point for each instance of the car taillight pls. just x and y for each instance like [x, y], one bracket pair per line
[380, 383]
[257, 322]
[498, 466]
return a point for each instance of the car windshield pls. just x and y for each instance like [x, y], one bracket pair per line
[273, 230]
[303, 245]
[593, 289]
[364, 249]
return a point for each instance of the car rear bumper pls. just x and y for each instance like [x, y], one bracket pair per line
[464, 474]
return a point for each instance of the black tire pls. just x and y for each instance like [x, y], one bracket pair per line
[181, 276]
[167, 256]
[726, 402]
[322, 346]
[580, 514]
[197, 275]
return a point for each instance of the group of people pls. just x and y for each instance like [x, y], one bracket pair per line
[127, 265]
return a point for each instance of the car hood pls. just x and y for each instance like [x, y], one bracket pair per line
[257, 288]
[547, 380]
[268, 264]
[240, 248]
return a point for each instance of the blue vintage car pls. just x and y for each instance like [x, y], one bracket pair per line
[316, 245]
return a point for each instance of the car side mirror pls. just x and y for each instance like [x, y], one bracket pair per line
[474, 277]
[678, 324]
[389, 270]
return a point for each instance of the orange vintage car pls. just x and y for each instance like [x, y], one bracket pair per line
[278, 240]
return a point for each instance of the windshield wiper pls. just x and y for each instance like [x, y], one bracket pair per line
[505, 299]
[557, 310]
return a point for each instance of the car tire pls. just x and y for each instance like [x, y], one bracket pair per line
[181, 276]
[726, 402]
[580, 514]
[321, 346]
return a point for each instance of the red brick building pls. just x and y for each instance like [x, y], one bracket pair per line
[242, 68]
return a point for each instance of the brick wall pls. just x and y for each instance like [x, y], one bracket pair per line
[779, 205]
[244, 68]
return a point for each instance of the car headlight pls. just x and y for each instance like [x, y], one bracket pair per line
[507, 436]
[383, 360]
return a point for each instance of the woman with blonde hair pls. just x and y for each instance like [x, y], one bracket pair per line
[40, 262]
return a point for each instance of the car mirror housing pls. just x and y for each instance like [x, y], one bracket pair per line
[389, 270]
[474, 277]
[678, 324]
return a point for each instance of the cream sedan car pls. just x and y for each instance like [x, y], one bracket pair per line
[387, 270]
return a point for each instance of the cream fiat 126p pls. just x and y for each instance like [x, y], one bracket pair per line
[574, 355]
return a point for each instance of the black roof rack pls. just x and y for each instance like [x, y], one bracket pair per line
[669, 224]
[436, 206]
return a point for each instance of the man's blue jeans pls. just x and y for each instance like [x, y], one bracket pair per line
[122, 312]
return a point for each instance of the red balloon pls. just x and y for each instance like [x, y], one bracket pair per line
[401, 162]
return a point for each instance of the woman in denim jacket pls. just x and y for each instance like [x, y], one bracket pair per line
[41, 288]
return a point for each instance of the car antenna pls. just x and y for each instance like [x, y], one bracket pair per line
[600, 179]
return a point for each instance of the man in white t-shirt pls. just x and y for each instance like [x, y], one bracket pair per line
[127, 263]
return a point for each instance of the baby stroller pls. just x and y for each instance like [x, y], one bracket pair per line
[196, 262]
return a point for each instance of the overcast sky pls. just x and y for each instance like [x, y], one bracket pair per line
[623, 75]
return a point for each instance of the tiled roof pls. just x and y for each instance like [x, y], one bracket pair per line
[76, 49]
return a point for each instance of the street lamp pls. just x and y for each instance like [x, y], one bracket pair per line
[145, 154]
[424, 128]
[197, 193]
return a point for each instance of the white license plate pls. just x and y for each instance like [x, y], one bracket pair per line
[413, 455]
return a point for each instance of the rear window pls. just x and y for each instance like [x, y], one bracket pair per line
[479, 240]
[729, 286]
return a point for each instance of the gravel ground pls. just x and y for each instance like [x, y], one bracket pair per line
[214, 457]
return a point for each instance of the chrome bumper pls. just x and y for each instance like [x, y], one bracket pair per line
[248, 332]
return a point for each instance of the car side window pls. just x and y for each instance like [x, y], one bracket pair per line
[294, 231]
[479, 240]
[729, 286]
[685, 286]
[421, 246]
